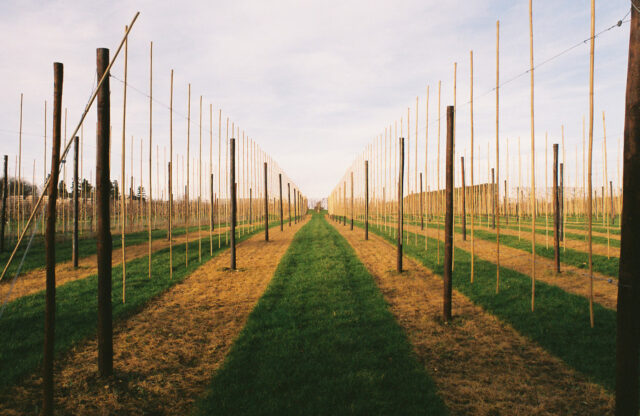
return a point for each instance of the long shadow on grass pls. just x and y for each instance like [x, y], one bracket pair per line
[321, 341]
[22, 324]
[560, 323]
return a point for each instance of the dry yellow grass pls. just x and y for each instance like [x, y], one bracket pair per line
[481, 365]
[34, 280]
[571, 279]
[165, 355]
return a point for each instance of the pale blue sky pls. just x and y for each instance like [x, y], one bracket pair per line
[314, 82]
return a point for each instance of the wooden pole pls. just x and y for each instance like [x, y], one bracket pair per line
[20, 188]
[366, 199]
[289, 201]
[472, 183]
[497, 190]
[200, 188]
[211, 198]
[266, 205]
[448, 220]
[232, 190]
[493, 198]
[186, 196]
[556, 210]
[281, 209]
[352, 201]
[50, 248]
[5, 192]
[123, 209]
[170, 185]
[464, 208]
[421, 205]
[103, 226]
[628, 316]
[400, 205]
[533, 169]
[76, 207]
[150, 196]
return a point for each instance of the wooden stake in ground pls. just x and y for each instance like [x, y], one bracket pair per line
[76, 208]
[556, 209]
[170, 185]
[533, 170]
[400, 205]
[464, 208]
[103, 226]
[472, 183]
[232, 190]
[497, 191]
[590, 159]
[50, 247]
[448, 220]
[5, 192]
[186, 196]
[281, 210]
[289, 201]
[150, 196]
[351, 200]
[123, 210]
[266, 205]
[200, 188]
[628, 317]
[366, 199]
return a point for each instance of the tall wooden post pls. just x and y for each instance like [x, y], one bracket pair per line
[76, 208]
[103, 230]
[448, 220]
[628, 317]
[232, 189]
[266, 205]
[561, 197]
[366, 199]
[5, 192]
[556, 210]
[421, 205]
[281, 211]
[493, 198]
[289, 201]
[352, 201]
[464, 207]
[50, 247]
[213, 224]
[400, 206]
[295, 206]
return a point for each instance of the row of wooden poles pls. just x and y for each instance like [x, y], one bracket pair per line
[254, 189]
[483, 198]
[386, 204]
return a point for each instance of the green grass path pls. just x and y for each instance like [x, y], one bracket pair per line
[321, 340]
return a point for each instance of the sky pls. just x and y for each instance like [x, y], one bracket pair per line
[314, 82]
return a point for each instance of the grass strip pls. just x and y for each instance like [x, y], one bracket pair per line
[321, 340]
[560, 323]
[22, 324]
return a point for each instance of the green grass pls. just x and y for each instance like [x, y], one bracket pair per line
[576, 258]
[321, 341]
[86, 247]
[22, 324]
[560, 323]
[569, 256]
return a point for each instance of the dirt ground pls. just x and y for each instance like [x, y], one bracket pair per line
[480, 365]
[571, 279]
[166, 354]
[34, 281]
